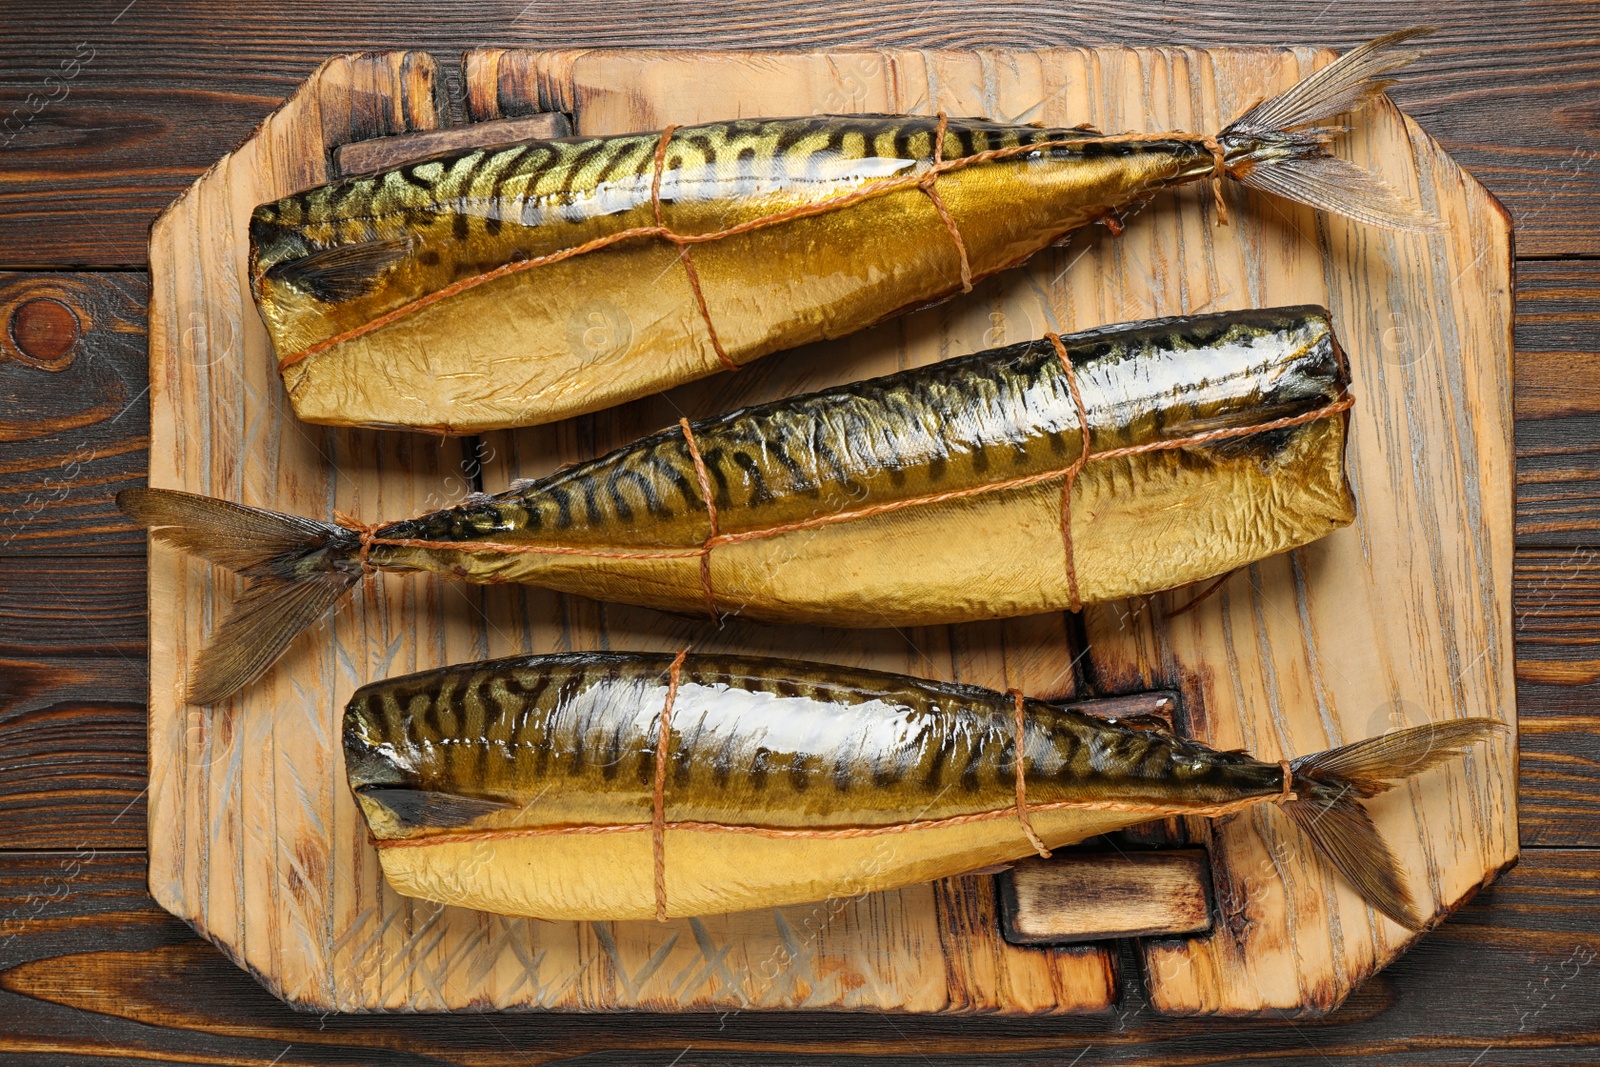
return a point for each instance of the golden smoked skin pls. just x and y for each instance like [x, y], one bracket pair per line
[588, 332]
[1027, 479]
[450, 765]
[627, 527]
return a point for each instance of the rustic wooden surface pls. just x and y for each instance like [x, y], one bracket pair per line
[112, 980]
[267, 856]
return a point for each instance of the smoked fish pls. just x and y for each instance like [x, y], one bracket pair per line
[523, 285]
[976, 488]
[625, 786]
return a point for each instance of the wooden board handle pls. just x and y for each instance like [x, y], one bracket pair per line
[1099, 895]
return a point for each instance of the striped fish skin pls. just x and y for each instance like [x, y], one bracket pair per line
[610, 325]
[570, 741]
[1140, 523]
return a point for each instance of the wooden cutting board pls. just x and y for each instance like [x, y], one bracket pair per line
[1405, 617]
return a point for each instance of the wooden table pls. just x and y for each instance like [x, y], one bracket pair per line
[129, 101]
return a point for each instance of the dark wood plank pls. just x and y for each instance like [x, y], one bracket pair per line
[1558, 403]
[72, 719]
[76, 445]
[384, 153]
[110, 111]
[1558, 695]
[75, 418]
[92, 971]
[73, 681]
[1557, 593]
[72, 730]
[75, 605]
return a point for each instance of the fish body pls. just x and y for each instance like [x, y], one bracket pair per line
[528, 786]
[934, 495]
[948, 493]
[592, 331]
[442, 294]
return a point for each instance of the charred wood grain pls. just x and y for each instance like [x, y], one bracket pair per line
[72, 751]
[1557, 595]
[74, 412]
[105, 117]
[74, 605]
[91, 970]
[1105, 894]
[1558, 403]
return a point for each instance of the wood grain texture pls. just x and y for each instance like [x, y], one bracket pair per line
[73, 686]
[1558, 403]
[1558, 693]
[267, 855]
[75, 427]
[72, 730]
[264, 854]
[74, 605]
[386, 153]
[1099, 894]
[93, 972]
[1502, 973]
[93, 155]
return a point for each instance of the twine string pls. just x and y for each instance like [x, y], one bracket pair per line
[1022, 787]
[1209, 591]
[368, 534]
[1219, 169]
[689, 270]
[1070, 478]
[927, 186]
[711, 513]
[658, 810]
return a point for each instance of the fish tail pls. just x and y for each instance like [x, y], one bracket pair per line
[1281, 145]
[296, 568]
[1328, 784]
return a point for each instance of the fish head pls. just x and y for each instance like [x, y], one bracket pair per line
[399, 799]
[312, 280]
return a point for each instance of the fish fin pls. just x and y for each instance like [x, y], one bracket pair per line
[297, 569]
[430, 808]
[343, 272]
[1278, 146]
[1328, 784]
[1339, 187]
[1380, 763]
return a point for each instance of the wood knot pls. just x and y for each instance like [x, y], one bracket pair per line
[44, 333]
